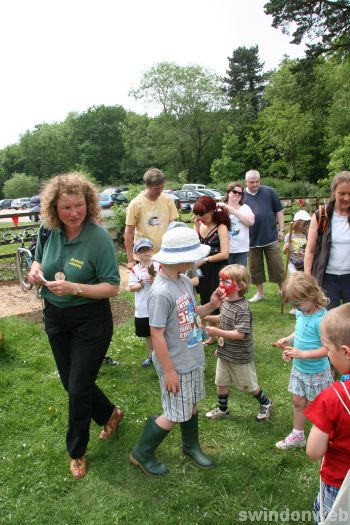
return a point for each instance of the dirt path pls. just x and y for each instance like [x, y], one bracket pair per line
[15, 302]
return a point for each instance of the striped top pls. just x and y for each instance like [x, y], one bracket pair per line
[236, 315]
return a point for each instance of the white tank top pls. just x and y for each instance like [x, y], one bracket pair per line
[339, 257]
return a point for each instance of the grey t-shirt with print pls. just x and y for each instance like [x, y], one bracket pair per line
[171, 306]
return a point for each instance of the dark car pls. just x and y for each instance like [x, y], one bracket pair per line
[119, 198]
[187, 196]
[5, 204]
[35, 207]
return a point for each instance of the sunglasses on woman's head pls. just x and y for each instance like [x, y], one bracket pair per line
[235, 192]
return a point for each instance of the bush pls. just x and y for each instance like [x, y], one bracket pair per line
[286, 188]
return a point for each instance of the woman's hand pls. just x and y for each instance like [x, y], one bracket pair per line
[61, 287]
[199, 263]
[35, 275]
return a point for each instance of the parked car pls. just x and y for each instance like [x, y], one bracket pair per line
[35, 207]
[193, 186]
[119, 198]
[218, 192]
[107, 200]
[211, 193]
[21, 204]
[5, 204]
[117, 189]
[184, 207]
[187, 196]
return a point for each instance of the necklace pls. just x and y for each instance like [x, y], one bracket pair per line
[307, 324]
[60, 276]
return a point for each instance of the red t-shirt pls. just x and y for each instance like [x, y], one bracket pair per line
[328, 414]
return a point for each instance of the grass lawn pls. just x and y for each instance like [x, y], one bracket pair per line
[250, 473]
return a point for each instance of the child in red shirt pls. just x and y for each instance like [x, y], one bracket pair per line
[330, 412]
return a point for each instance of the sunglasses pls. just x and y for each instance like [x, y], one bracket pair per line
[235, 192]
[200, 214]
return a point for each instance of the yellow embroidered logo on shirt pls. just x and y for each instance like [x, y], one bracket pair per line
[76, 263]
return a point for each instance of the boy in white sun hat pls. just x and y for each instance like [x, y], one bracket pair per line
[295, 243]
[178, 350]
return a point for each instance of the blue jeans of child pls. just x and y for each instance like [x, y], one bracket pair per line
[337, 289]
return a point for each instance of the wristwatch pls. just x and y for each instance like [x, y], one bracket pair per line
[79, 290]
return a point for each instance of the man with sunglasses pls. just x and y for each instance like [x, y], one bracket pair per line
[264, 235]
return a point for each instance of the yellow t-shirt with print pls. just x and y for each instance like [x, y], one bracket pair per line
[151, 218]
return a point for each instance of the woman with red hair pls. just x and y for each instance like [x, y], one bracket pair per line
[212, 223]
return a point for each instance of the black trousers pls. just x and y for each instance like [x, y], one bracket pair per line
[79, 337]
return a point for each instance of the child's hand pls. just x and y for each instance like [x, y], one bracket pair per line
[217, 297]
[148, 280]
[281, 343]
[171, 382]
[286, 357]
[212, 330]
[293, 352]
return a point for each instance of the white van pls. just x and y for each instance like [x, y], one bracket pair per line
[194, 187]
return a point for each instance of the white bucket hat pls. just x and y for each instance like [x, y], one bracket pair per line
[302, 215]
[181, 245]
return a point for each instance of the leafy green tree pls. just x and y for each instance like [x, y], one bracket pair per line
[21, 185]
[338, 114]
[230, 166]
[188, 131]
[245, 81]
[97, 136]
[180, 91]
[11, 161]
[328, 22]
[339, 158]
[139, 149]
[48, 150]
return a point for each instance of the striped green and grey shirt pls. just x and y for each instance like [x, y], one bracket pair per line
[236, 315]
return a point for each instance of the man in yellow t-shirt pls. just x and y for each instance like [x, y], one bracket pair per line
[149, 214]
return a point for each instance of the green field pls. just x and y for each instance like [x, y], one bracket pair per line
[250, 473]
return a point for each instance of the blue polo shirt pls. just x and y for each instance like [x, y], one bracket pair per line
[264, 204]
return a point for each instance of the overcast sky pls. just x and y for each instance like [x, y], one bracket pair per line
[59, 56]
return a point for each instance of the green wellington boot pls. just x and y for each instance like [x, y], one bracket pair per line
[190, 443]
[143, 452]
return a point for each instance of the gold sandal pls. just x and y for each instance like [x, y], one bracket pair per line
[78, 467]
[112, 424]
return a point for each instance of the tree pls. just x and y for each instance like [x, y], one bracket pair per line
[48, 150]
[245, 81]
[187, 133]
[21, 185]
[181, 91]
[230, 166]
[97, 136]
[322, 20]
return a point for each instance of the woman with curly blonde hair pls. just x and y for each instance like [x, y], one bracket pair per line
[78, 269]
